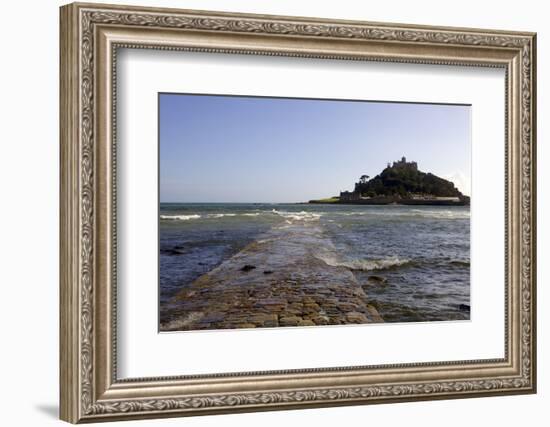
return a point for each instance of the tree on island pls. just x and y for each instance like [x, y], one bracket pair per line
[364, 179]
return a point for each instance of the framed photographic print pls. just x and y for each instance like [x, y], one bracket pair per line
[265, 212]
[242, 253]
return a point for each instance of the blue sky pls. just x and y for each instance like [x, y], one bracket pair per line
[253, 149]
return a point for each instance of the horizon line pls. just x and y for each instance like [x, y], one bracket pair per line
[257, 202]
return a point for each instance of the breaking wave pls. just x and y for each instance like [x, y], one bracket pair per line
[220, 215]
[413, 213]
[298, 216]
[305, 216]
[207, 216]
[441, 214]
[365, 264]
[179, 217]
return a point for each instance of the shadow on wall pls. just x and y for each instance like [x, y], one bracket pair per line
[49, 410]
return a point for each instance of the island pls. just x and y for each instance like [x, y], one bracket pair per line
[400, 183]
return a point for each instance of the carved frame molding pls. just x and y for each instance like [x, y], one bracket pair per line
[90, 36]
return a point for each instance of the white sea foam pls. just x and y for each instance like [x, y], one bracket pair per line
[179, 217]
[207, 216]
[364, 264]
[413, 213]
[441, 214]
[220, 215]
[298, 216]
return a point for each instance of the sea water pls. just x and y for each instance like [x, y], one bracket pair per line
[412, 261]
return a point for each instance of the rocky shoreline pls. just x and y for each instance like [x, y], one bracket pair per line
[392, 200]
[276, 281]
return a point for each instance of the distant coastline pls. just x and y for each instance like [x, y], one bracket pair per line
[395, 201]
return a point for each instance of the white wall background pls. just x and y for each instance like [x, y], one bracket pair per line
[29, 171]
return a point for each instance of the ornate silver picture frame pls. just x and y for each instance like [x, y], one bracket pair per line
[91, 35]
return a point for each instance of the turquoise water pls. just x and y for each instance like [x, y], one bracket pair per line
[412, 261]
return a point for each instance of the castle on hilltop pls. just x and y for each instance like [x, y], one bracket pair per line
[403, 164]
[402, 183]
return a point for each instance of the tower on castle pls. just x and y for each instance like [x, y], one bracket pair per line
[404, 164]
